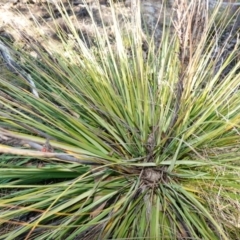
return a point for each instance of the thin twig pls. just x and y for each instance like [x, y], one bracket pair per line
[32, 153]
[189, 22]
[7, 136]
[14, 67]
[33, 130]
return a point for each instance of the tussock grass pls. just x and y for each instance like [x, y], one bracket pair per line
[145, 143]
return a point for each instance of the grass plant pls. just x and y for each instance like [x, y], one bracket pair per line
[146, 144]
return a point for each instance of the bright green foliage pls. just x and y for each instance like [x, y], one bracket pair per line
[163, 161]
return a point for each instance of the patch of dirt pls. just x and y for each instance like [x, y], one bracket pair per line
[23, 16]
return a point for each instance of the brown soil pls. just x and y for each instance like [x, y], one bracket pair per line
[18, 17]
